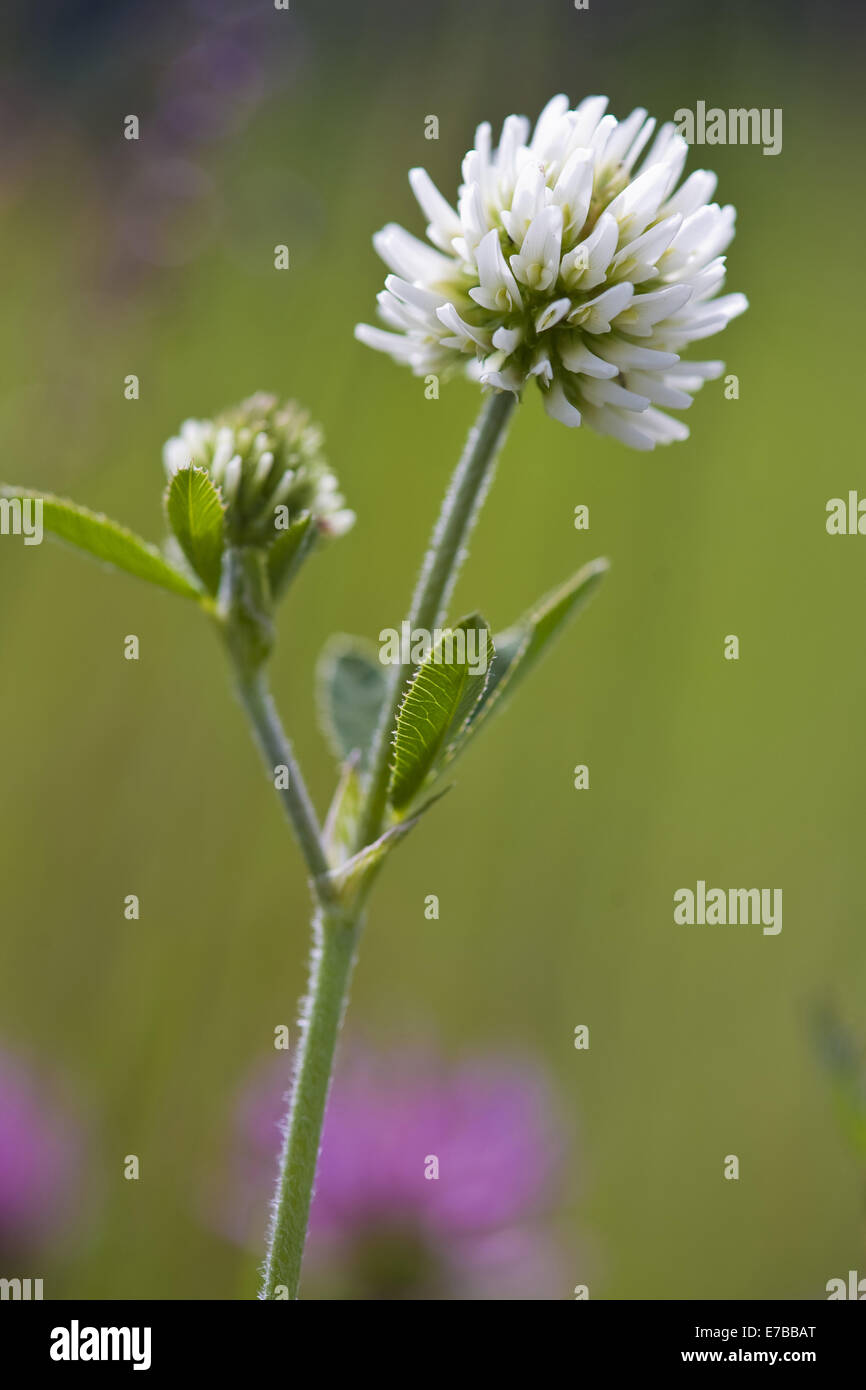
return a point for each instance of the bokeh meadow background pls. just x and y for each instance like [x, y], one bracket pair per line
[155, 257]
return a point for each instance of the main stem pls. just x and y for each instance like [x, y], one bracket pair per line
[336, 928]
[334, 938]
[333, 955]
[463, 501]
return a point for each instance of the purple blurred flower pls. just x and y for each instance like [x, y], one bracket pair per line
[167, 206]
[211, 89]
[40, 1158]
[382, 1228]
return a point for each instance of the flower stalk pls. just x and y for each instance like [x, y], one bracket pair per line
[463, 501]
[276, 750]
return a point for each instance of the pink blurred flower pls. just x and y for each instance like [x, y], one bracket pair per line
[381, 1226]
[40, 1158]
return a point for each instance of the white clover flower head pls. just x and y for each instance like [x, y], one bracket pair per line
[262, 454]
[571, 260]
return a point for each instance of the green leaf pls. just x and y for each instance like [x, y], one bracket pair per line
[344, 814]
[197, 518]
[351, 685]
[436, 707]
[105, 540]
[356, 874]
[287, 553]
[519, 648]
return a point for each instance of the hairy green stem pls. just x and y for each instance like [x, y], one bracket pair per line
[336, 929]
[277, 752]
[331, 963]
[445, 555]
[335, 934]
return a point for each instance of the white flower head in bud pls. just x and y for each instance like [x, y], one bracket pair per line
[263, 455]
[573, 258]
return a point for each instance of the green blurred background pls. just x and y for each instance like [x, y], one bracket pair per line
[556, 906]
